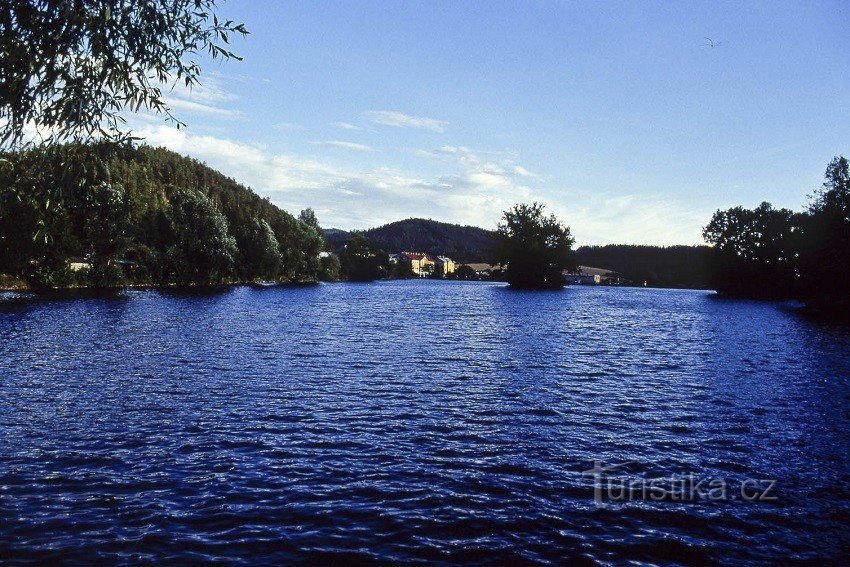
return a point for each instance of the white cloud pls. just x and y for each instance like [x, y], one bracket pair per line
[191, 106]
[209, 90]
[488, 178]
[208, 97]
[520, 170]
[605, 218]
[401, 120]
[475, 192]
[346, 199]
[346, 126]
[343, 145]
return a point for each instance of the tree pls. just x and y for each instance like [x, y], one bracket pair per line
[18, 225]
[756, 251]
[68, 68]
[308, 217]
[60, 217]
[826, 254]
[659, 266]
[536, 248]
[361, 261]
[402, 271]
[834, 196]
[310, 242]
[259, 251]
[202, 251]
[107, 221]
[466, 272]
[330, 268]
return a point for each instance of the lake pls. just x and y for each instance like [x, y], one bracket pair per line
[419, 421]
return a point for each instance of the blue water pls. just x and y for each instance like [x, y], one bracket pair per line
[416, 421]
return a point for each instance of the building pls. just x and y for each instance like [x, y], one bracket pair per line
[482, 269]
[85, 263]
[420, 263]
[444, 266]
[77, 264]
[424, 265]
[587, 275]
[584, 279]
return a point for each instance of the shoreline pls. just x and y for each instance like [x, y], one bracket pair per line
[176, 287]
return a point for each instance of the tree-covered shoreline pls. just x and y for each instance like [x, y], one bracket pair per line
[137, 216]
[768, 253]
[143, 216]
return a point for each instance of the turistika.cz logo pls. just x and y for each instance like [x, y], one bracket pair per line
[611, 484]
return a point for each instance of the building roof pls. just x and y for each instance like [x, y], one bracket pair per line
[591, 271]
[483, 266]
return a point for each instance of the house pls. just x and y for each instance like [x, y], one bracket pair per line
[584, 279]
[484, 269]
[77, 264]
[420, 264]
[425, 265]
[587, 275]
[445, 266]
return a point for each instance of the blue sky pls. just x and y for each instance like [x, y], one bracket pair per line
[615, 115]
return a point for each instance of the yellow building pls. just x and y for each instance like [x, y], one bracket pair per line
[445, 265]
[420, 263]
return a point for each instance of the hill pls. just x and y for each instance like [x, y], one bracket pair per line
[173, 218]
[461, 243]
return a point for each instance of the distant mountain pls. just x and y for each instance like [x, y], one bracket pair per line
[460, 243]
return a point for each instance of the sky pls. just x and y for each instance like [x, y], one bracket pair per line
[618, 116]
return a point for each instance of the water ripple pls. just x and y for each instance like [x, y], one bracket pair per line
[415, 422]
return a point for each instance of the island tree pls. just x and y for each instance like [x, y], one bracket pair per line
[361, 261]
[465, 272]
[536, 248]
[330, 268]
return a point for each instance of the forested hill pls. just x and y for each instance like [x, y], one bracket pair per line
[461, 243]
[173, 218]
[659, 266]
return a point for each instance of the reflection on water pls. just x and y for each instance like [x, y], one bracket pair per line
[402, 421]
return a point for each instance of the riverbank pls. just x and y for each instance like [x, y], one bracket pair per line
[23, 287]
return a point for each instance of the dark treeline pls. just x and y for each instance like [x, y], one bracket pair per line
[143, 215]
[658, 266]
[777, 253]
[362, 261]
